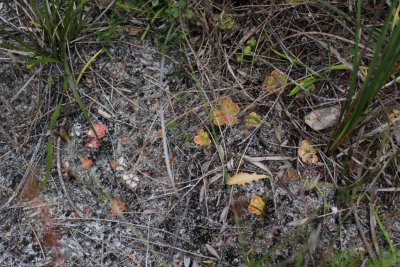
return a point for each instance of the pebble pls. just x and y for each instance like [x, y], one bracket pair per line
[320, 119]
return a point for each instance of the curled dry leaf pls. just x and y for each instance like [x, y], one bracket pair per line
[253, 119]
[202, 138]
[256, 205]
[225, 112]
[307, 153]
[275, 82]
[244, 178]
[86, 163]
[117, 206]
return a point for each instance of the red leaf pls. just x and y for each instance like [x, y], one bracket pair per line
[93, 143]
[100, 129]
[86, 163]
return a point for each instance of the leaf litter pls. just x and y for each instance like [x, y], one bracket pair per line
[170, 221]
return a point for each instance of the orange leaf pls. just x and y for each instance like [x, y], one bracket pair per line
[86, 163]
[256, 205]
[202, 139]
[100, 130]
[225, 112]
[113, 164]
[117, 206]
[307, 153]
[243, 178]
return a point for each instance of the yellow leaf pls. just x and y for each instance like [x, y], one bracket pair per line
[307, 153]
[275, 82]
[253, 119]
[243, 178]
[394, 116]
[225, 112]
[256, 205]
[202, 139]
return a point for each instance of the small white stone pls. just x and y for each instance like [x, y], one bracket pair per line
[320, 119]
[334, 209]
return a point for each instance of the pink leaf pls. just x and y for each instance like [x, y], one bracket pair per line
[100, 129]
[93, 143]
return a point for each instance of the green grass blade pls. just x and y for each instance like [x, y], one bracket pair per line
[88, 64]
[53, 120]
[385, 233]
[356, 61]
[379, 70]
[43, 61]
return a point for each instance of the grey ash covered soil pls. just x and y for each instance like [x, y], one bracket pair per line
[193, 226]
[124, 95]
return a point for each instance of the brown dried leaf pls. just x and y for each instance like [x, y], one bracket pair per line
[244, 178]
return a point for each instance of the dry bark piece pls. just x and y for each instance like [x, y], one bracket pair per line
[320, 119]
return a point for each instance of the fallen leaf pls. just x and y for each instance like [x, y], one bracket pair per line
[224, 214]
[256, 205]
[117, 206]
[62, 132]
[174, 159]
[253, 119]
[104, 114]
[93, 143]
[275, 82]
[86, 163]
[225, 112]
[100, 130]
[298, 222]
[212, 251]
[125, 139]
[292, 175]
[202, 138]
[307, 153]
[243, 178]
[394, 116]
[158, 134]
[132, 30]
[113, 164]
